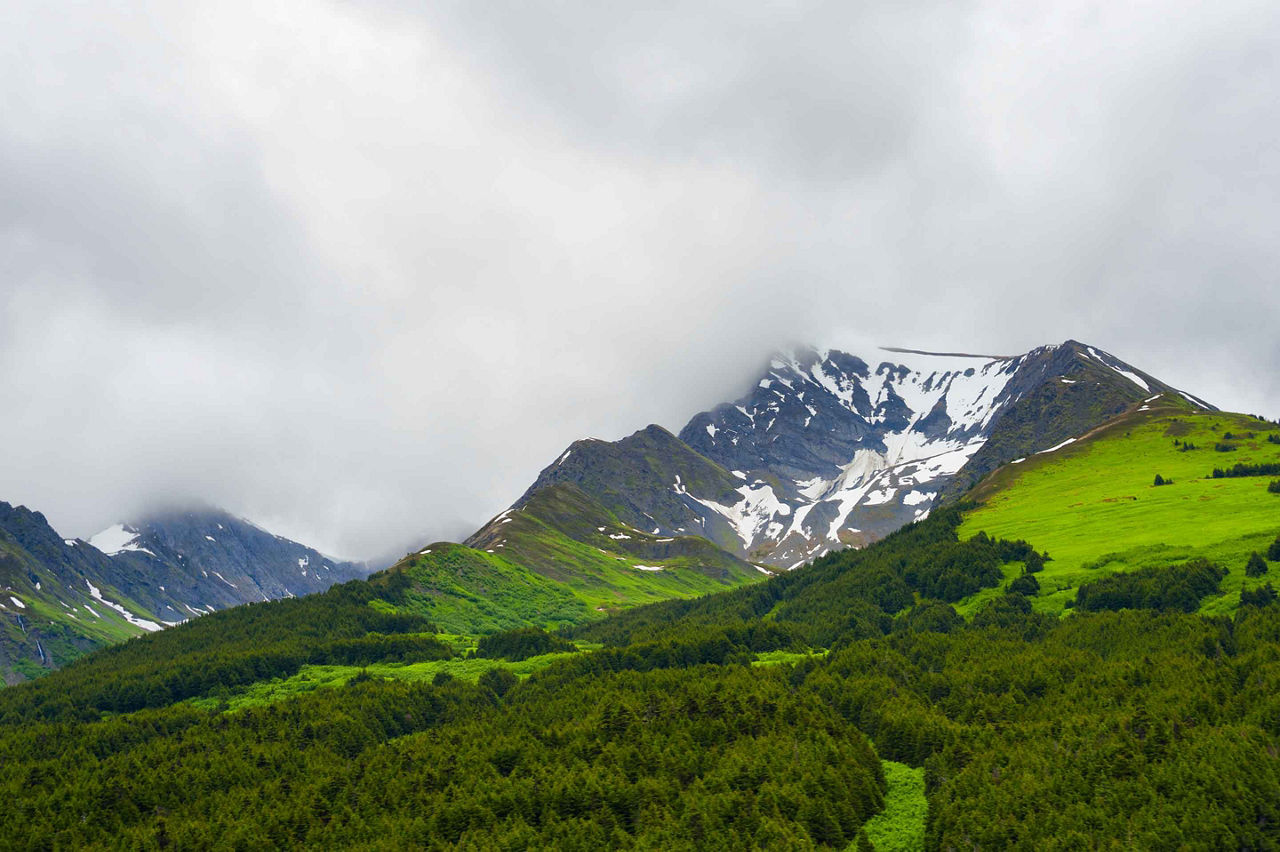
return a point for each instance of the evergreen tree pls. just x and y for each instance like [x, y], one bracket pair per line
[1256, 567]
[1025, 584]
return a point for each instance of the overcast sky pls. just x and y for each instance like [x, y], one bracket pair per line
[359, 271]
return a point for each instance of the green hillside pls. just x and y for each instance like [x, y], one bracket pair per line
[1094, 507]
[560, 559]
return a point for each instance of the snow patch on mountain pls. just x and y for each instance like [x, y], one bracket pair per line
[117, 539]
[1056, 447]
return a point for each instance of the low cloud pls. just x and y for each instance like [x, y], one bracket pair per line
[359, 272]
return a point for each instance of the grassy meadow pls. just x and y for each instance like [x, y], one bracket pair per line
[1094, 507]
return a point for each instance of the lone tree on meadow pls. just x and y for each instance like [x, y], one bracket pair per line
[1257, 565]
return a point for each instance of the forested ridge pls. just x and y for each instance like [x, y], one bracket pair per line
[1143, 728]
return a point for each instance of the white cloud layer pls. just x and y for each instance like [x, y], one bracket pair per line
[359, 271]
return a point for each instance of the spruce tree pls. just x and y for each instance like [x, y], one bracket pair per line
[1257, 565]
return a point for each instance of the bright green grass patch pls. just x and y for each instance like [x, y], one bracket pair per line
[779, 658]
[609, 579]
[463, 590]
[1094, 508]
[311, 678]
[900, 826]
[466, 590]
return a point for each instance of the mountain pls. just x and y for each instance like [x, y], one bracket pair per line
[831, 449]
[195, 561]
[827, 450]
[651, 480]
[949, 685]
[64, 597]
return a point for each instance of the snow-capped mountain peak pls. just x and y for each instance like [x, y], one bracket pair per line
[837, 432]
[830, 449]
[853, 446]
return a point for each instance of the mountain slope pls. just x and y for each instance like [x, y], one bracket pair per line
[1094, 507]
[650, 480]
[1061, 393]
[560, 558]
[59, 599]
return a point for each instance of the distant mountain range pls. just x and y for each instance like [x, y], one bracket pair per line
[63, 597]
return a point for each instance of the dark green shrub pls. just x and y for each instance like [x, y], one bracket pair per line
[1177, 588]
[931, 617]
[1264, 595]
[1237, 470]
